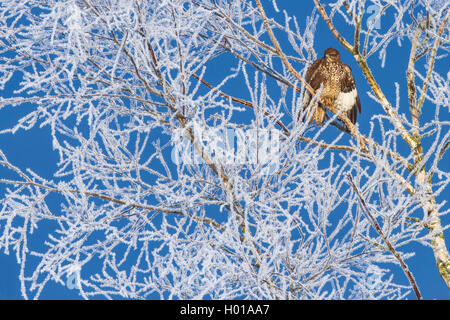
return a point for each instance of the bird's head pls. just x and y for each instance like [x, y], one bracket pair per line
[331, 54]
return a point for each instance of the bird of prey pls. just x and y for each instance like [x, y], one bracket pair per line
[338, 86]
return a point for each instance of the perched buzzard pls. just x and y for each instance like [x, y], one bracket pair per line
[338, 86]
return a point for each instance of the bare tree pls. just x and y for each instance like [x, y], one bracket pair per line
[155, 199]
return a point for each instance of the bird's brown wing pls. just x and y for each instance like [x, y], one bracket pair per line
[347, 86]
[314, 79]
[312, 74]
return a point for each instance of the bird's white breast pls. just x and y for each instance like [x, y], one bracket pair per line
[345, 101]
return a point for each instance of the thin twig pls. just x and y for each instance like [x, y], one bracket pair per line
[389, 246]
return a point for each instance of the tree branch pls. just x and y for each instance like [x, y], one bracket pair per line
[389, 246]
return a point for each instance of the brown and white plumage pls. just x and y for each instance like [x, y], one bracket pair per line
[338, 86]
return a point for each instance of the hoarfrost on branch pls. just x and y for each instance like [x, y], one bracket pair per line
[155, 201]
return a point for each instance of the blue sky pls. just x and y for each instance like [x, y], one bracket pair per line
[32, 149]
